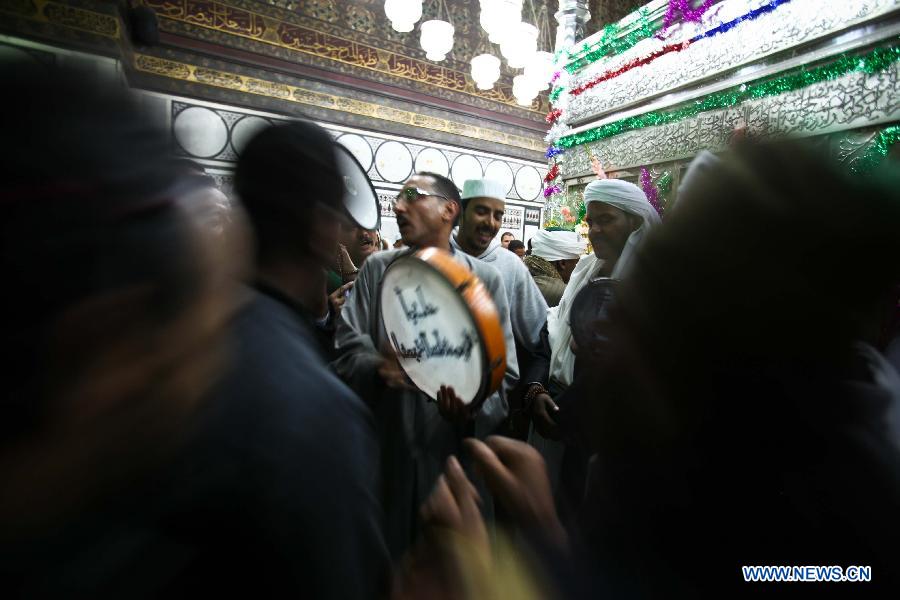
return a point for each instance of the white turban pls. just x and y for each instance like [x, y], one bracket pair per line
[631, 199]
[557, 245]
[626, 197]
[484, 188]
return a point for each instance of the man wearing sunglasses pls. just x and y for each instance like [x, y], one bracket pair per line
[417, 436]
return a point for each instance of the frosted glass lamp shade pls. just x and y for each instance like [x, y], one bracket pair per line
[539, 69]
[497, 15]
[524, 90]
[485, 70]
[437, 39]
[403, 14]
[519, 44]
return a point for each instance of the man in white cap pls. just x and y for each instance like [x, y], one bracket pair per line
[483, 205]
[554, 254]
[618, 217]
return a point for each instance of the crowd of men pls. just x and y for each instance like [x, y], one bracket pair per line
[201, 397]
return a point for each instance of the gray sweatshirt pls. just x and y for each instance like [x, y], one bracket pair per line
[415, 439]
[527, 307]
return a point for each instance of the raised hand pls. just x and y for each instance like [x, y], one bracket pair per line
[517, 477]
[597, 168]
[337, 298]
[454, 504]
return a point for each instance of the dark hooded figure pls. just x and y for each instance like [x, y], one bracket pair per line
[737, 418]
[165, 432]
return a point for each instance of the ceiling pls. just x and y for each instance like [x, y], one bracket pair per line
[336, 61]
[347, 49]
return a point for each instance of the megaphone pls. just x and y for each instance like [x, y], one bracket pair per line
[360, 199]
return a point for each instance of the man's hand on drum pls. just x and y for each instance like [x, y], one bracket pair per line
[451, 406]
[391, 373]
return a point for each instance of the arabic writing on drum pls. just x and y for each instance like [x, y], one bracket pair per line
[418, 310]
[412, 311]
[440, 347]
[431, 328]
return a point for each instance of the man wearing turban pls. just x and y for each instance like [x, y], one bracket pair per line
[618, 218]
[554, 255]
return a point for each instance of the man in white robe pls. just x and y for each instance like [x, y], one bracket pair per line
[619, 216]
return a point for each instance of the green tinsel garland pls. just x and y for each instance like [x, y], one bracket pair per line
[877, 151]
[664, 183]
[611, 43]
[876, 60]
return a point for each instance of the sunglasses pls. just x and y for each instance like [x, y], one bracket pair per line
[411, 194]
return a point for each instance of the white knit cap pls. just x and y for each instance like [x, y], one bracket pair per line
[484, 188]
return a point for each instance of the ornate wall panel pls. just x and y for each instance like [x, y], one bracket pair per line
[217, 135]
[607, 11]
[96, 26]
[350, 38]
[789, 26]
[309, 98]
[65, 14]
[81, 23]
[852, 101]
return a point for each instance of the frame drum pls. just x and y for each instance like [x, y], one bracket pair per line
[443, 325]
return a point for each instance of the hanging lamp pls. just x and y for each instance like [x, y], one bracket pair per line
[403, 14]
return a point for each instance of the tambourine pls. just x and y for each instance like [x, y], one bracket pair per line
[443, 325]
[360, 198]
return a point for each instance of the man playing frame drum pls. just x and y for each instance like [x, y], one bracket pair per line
[417, 434]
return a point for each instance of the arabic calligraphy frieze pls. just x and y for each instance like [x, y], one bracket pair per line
[487, 100]
[58, 13]
[850, 102]
[252, 85]
[220, 18]
[328, 46]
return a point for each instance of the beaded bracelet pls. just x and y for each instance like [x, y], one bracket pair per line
[533, 390]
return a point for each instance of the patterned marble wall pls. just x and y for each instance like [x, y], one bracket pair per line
[215, 133]
[214, 136]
